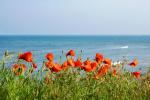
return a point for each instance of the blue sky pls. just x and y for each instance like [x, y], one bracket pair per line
[86, 17]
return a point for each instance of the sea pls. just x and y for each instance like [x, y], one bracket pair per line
[113, 47]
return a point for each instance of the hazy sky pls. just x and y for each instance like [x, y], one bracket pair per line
[86, 17]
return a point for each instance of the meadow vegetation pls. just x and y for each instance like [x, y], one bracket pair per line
[100, 79]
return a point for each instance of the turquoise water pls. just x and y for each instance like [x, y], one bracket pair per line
[114, 47]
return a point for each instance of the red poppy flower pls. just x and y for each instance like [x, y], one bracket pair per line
[87, 62]
[78, 63]
[49, 64]
[99, 58]
[134, 63]
[71, 53]
[94, 65]
[50, 56]
[70, 62]
[137, 74]
[87, 68]
[27, 56]
[65, 65]
[114, 72]
[56, 68]
[19, 69]
[34, 65]
[107, 61]
[103, 70]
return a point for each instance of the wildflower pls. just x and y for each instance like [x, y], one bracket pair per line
[50, 56]
[87, 62]
[99, 58]
[56, 68]
[70, 62]
[27, 56]
[19, 69]
[78, 63]
[87, 65]
[114, 73]
[107, 61]
[49, 64]
[87, 68]
[65, 65]
[94, 65]
[103, 70]
[134, 63]
[137, 74]
[34, 65]
[71, 53]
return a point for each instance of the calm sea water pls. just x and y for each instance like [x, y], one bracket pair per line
[114, 47]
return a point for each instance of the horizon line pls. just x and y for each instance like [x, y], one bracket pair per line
[74, 35]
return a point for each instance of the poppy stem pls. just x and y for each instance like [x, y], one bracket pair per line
[3, 65]
[59, 61]
[42, 69]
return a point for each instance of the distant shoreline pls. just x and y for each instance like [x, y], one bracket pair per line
[117, 35]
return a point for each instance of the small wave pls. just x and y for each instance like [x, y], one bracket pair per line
[120, 47]
[124, 47]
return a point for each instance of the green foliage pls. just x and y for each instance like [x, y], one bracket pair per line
[72, 86]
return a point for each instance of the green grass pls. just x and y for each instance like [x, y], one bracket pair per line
[71, 85]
